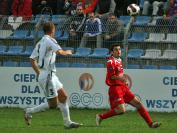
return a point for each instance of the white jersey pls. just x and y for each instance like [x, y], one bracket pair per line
[45, 53]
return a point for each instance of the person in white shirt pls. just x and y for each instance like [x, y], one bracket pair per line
[43, 63]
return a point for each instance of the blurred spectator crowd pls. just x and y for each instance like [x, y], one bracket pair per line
[100, 7]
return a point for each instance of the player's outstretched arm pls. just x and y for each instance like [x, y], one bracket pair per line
[64, 52]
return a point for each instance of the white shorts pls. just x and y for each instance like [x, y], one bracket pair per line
[50, 84]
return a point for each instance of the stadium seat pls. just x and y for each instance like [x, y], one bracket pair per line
[82, 52]
[68, 48]
[28, 50]
[81, 65]
[97, 65]
[133, 66]
[135, 53]
[168, 67]
[34, 34]
[125, 19]
[58, 34]
[2, 49]
[171, 38]
[62, 64]
[14, 50]
[100, 52]
[169, 54]
[150, 67]
[56, 19]
[155, 37]
[65, 36]
[138, 37]
[152, 54]
[5, 34]
[19, 34]
[142, 20]
[10, 63]
[44, 17]
[25, 64]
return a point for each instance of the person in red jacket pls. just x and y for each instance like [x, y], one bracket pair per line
[90, 5]
[22, 8]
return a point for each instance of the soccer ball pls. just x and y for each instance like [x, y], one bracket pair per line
[133, 10]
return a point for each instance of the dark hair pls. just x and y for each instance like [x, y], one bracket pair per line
[115, 45]
[48, 27]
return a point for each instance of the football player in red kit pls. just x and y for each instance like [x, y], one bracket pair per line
[119, 92]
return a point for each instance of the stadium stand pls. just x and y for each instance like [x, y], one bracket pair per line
[97, 65]
[14, 50]
[19, 34]
[135, 53]
[62, 64]
[2, 49]
[69, 48]
[5, 33]
[155, 37]
[24, 64]
[138, 37]
[28, 50]
[152, 54]
[133, 66]
[82, 52]
[142, 20]
[125, 19]
[171, 37]
[169, 54]
[80, 65]
[100, 52]
[168, 67]
[150, 67]
[10, 63]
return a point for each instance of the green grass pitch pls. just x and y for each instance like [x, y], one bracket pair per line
[11, 121]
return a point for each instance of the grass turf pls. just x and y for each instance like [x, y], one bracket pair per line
[11, 121]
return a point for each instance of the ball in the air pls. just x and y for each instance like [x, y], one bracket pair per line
[133, 10]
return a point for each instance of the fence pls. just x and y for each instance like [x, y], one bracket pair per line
[151, 43]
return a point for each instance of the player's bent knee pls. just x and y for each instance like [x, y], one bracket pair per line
[53, 102]
[120, 110]
[62, 96]
[62, 99]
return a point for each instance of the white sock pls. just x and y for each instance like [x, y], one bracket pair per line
[65, 112]
[39, 108]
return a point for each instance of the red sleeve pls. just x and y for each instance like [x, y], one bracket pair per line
[91, 8]
[14, 7]
[27, 8]
[110, 68]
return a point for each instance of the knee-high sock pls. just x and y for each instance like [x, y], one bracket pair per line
[65, 112]
[108, 114]
[145, 114]
[38, 108]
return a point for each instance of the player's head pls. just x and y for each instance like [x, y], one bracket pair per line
[116, 50]
[49, 29]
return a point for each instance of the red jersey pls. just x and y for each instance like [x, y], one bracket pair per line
[114, 68]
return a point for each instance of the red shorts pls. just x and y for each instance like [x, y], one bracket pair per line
[119, 95]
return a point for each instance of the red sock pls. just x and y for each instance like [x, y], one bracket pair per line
[108, 114]
[145, 114]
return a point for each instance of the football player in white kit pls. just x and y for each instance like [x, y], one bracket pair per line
[43, 63]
